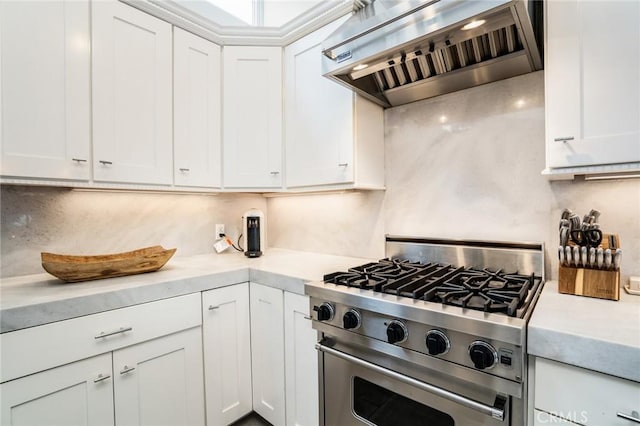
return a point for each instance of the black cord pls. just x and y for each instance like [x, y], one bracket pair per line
[238, 242]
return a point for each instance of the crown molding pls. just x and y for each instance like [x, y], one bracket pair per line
[178, 15]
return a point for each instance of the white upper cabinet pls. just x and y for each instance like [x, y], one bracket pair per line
[45, 89]
[132, 87]
[333, 137]
[196, 111]
[592, 86]
[252, 136]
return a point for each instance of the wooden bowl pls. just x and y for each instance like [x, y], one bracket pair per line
[85, 268]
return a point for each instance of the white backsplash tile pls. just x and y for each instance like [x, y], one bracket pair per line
[463, 165]
[36, 219]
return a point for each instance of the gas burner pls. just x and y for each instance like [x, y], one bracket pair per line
[355, 279]
[470, 288]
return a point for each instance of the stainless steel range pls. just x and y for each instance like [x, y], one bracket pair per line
[435, 334]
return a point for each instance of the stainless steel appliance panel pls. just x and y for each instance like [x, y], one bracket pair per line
[341, 398]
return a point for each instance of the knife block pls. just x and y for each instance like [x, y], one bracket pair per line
[599, 283]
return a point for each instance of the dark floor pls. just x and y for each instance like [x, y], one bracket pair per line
[252, 419]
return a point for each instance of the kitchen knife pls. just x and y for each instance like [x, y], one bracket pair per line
[564, 223]
[592, 257]
[564, 236]
[566, 213]
[584, 256]
[567, 255]
[575, 221]
[576, 255]
[596, 215]
[599, 257]
[617, 258]
[607, 259]
[561, 255]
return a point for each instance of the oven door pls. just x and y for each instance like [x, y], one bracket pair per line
[357, 392]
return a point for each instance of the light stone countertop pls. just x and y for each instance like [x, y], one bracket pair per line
[32, 300]
[597, 334]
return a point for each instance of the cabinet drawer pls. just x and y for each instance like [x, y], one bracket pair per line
[584, 396]
[39, 348]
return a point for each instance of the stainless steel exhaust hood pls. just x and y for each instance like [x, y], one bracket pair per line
[396, 52]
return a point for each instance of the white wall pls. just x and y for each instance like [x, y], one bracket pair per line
[463, 165]
[58, 220]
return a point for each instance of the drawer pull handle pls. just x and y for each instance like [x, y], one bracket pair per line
[307, 317]
[101, 377]
[105, 163]
[634, 417]
[275, 173]
[564, 139]
[112, 333]
[343, 164]
[211, 307]
[79, 160]
[183, 170]
[127, 369]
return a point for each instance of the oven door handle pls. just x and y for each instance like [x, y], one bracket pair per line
[496, 411]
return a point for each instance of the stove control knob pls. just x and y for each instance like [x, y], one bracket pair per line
[483, 355]
[351, 319]
[397, 332]
[437, 342]
[325, 312]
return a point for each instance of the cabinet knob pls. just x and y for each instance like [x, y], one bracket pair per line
[105, 163]
[564, 139]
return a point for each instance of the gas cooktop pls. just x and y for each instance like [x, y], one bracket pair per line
[473, 288]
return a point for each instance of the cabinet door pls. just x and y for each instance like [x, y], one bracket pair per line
[80, 393]
[252, 117]
[319, 117]
[592, 87]
[583, 396]
[267, 348]
[301, 362]
[45, 89]
[227, 353]
[196, 101]
[132, 121]
[160, 382]
[542, 418]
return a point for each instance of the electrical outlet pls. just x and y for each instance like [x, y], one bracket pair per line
[219, 230]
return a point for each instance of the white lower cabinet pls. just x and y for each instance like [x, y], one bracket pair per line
[267, 350]
[141, 365]
[542, 418]
[227, 353]
[301, 362]
[583, 396]
[80, 393]
[160, 382]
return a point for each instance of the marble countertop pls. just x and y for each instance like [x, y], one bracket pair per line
[597, 334]
[32, 300]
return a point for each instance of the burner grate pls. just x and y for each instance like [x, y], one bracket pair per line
[478, 289]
